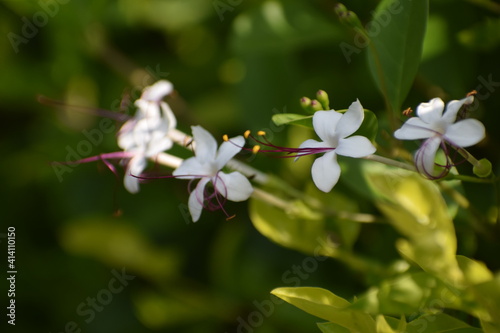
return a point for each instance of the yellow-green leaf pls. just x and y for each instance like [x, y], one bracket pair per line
[326, 305]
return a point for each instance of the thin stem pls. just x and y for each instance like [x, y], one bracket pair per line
[168, 160]
[469, 179]
[270, 198]
[388, 161]
[468, 156]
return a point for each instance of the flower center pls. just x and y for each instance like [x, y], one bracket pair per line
[440, 127]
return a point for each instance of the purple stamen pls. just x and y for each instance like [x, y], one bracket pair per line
[211, 199]
[290, 152]
[120, 117]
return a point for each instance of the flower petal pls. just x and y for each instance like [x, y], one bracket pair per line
[159, 143]
[413, 129]
[355, 146]
[168, 115]
[310, 143]
[191, 168]
[206, 146]
[227, 150]
[196, 199]
[465, 133]
[432, 111]
[157, 91]
[326, 171]
[351, 120]
[324, 123]
[126, 134]
[135, 167]
[453, 107]
[147, 109]
[233, 186]
[425, 156]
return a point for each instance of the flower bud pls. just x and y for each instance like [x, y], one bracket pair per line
[340, 10]
[305, 103]
[315, 106]
[483, 168]
[322, 97]
[348, 17]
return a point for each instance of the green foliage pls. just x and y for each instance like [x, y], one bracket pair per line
[326, 305]
[396, 47]
[292, 118]
[482, 36]
[295, 226]
[391, 237]
[415, 207]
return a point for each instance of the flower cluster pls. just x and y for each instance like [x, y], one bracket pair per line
[152, 131]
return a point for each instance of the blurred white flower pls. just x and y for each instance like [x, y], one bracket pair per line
[146, 134]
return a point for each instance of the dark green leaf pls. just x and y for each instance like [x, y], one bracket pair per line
[397, 33]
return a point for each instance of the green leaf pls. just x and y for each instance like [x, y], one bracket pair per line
[277, 26]
[437, 323]
[369, 127]
[326, 305]
[332, 328]
[407, 294]
[488, 295]
[383, 326]
[415, 207]
[397, 33]
[475, 272]
[292, 118]
[297, 227]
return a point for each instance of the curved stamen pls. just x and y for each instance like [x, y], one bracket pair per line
[444, 145]
[290, 152]
[120, 117]
[211, 199]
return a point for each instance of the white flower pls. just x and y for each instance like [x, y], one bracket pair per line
[206, 165]
[439, 127]
[146, 134]
[334, 129]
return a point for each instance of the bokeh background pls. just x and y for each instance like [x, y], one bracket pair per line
[234, 64]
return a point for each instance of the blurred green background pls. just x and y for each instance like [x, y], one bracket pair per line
[234, 64]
